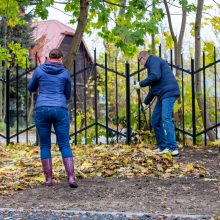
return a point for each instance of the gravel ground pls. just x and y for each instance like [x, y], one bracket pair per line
[13, 214]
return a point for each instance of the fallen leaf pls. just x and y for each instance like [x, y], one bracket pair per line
[20, 187]
[189, 167]
[21, 164]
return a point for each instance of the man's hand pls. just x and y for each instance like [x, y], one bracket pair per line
[137, 86]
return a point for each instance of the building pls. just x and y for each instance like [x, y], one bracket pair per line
[52, 34]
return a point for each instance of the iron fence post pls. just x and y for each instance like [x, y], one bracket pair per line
[106, 99]
[96, 98]
[85, 96]
[193, 101]
[216, 103]
[160, 50]
[139, 110]
[204, 98]
[171, 59]
[26, 109]
[116, 95]
[74, 101]
[7, 107]
[128, 116]
[37, 136]
[183, 102]
[17, 104]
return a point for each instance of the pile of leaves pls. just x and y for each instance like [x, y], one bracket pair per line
[20, 165]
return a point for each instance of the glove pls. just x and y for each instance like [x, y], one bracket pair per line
[137, 86]
[143, 108]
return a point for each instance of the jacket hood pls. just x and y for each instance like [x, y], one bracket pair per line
[52, 68]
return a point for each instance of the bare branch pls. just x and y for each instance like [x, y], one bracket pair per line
[61, 11]
[60, 2]
[111, 3]
[57, 2]
[215, 2]
[122, 5]
[174, 5]
[183, 27]
[211, 17]
[170, 21]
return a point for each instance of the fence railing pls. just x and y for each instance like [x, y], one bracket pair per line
[112, 111]
[193, 121]
[14, 114]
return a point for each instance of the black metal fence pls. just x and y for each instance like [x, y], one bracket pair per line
[116, 113]
[190, 122]
[14, 114]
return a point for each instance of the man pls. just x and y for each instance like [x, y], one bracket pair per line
[164, 86]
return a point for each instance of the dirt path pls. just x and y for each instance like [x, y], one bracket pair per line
[176, 195]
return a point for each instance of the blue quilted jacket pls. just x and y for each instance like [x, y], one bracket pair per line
[161, 79]
[54, 83]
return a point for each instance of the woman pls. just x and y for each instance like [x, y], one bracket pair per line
[54, 83]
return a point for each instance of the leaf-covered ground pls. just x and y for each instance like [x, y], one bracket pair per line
[20, 166]
[115, 178]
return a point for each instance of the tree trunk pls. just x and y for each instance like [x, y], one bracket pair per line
[77, 38]
[178, 44]
[153, 44]
[122, 9]
[153, 36]
[198, 77]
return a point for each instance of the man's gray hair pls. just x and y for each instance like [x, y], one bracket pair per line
[143, 53]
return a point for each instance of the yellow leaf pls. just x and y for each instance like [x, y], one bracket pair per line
[150, 162]
[209, 179]
[86, 165]
[40, 179]
[20, 187]
[160, 168]
[21, 164]
[166, 175]
[144, 171]
[189, 167]
[37, 164]
[169, 170]
[176, 166]
[168, 156]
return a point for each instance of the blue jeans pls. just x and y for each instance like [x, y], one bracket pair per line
[45, 117]
[163, 125]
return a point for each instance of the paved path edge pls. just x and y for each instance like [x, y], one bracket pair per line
[77, 214]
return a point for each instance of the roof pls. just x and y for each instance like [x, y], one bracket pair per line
[49, 34]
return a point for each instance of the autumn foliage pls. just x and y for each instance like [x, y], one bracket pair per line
[21, 165]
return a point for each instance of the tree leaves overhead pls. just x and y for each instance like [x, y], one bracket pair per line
[215, 21]
[189, 7]
[126, 30]
[10, 10]
[16, 39]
